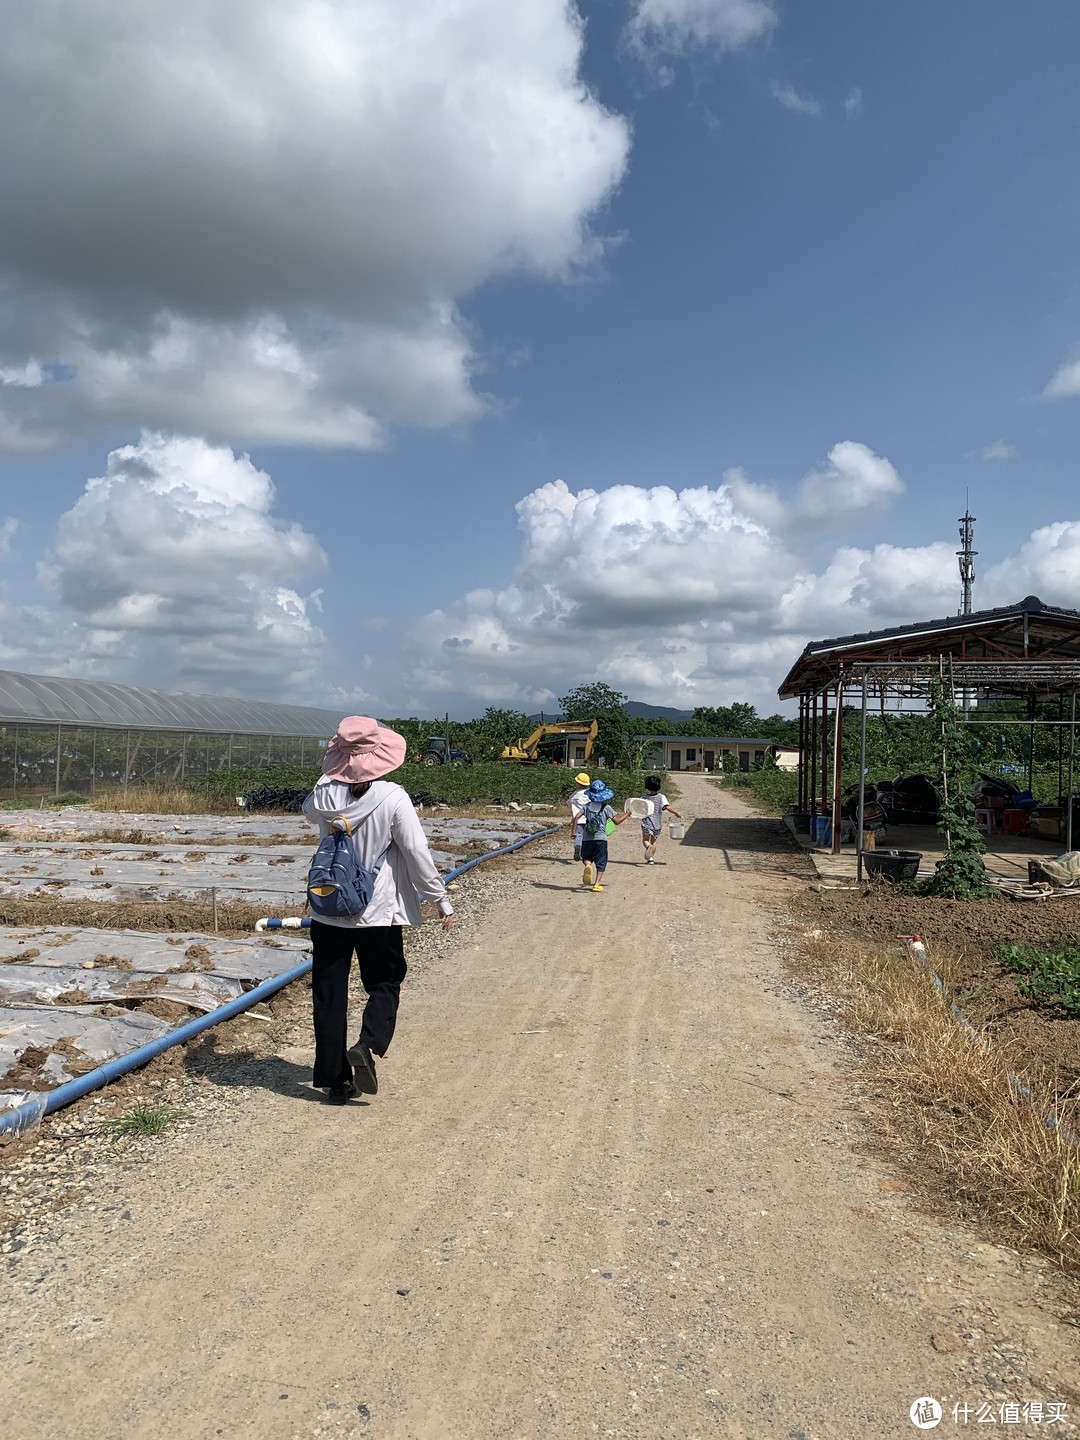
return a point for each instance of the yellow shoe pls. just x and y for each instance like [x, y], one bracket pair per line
[588, 875]
[598, 887]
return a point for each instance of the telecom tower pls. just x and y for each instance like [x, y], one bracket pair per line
[966, 558]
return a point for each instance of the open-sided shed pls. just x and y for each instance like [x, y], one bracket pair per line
[1028, 650]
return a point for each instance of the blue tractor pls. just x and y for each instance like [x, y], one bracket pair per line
[439, 751]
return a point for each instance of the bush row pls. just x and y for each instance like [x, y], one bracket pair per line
[774, 791]
[454, 784]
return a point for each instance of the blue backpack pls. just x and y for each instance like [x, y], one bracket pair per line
[338, 885]
[596, 819]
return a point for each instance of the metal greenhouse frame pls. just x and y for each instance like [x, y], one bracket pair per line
[1029, 651]
[80, 735]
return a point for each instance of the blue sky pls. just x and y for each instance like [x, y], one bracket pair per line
[809, 225]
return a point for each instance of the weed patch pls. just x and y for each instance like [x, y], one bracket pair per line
[772, 791]
[145, 1120]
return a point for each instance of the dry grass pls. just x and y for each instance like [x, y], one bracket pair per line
[950, 1108]
[162, 800]
[121, 836]
[233, 918]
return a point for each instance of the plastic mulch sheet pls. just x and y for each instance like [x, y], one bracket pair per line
[263, 875]
[71, 999]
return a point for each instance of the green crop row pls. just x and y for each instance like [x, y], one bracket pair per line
[455, 784]
[1049, 976]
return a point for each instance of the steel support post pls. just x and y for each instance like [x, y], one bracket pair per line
[825, 752]
[1072, 754]
[837, 768]
[862, 783]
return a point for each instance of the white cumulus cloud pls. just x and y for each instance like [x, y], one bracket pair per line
[702, 596]
[258, 221]
[686, 594]
[1064, 383]
[1047, 565]
[852, 484]
[171, 569]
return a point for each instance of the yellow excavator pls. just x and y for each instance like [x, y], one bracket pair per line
[568, 743]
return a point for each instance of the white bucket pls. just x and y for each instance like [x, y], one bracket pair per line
[676, 829]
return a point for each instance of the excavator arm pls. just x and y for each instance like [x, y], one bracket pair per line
[529, 747]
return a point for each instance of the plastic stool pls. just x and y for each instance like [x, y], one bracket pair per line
[984, 819]
[1014, 822]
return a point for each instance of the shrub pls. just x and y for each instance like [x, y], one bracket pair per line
[961, 875]
[774, 791]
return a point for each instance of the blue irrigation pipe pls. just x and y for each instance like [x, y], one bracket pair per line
[25, 1116]
[273, 923]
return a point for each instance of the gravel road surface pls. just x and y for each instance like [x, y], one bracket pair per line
[612, 1185]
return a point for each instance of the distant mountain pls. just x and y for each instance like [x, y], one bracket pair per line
[638, 710]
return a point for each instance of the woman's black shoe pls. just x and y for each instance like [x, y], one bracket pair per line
[364, 1077]
[341, 1094]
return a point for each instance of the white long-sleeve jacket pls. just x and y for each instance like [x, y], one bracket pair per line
[381, 821]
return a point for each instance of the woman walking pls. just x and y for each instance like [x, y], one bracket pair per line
[387, 837]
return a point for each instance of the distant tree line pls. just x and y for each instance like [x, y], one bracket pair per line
[484, 738]
[896, 744]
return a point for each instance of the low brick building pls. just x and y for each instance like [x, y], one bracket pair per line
[707, 753]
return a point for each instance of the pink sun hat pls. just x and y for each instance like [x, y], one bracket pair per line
[363, 750]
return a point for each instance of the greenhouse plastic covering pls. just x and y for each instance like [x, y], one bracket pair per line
[50, 699]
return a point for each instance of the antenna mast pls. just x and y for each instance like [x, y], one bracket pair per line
[966, 557]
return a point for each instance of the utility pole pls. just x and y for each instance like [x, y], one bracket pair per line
[966, 558]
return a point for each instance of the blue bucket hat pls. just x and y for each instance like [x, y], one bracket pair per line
[598, 791]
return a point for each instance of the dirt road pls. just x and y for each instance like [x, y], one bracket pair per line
[611, 1187]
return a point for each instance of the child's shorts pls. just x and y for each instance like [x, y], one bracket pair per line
[595, 850]
[650, 829]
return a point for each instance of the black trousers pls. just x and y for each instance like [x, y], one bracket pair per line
[380, 954]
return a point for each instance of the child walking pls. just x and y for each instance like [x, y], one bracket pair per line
[578, 800]
[651, 825]
[594, 845]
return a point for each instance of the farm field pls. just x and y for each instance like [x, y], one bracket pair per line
[659, 1204]
[73, 994]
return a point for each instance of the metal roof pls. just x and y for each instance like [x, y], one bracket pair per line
[1055, 632]
[48, 699]
[703, 739]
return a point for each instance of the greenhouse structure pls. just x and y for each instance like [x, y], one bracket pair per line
[85, 736]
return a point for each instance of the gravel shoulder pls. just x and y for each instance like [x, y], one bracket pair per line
[614, 1184]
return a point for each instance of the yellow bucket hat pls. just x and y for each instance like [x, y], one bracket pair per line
[581, 778]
